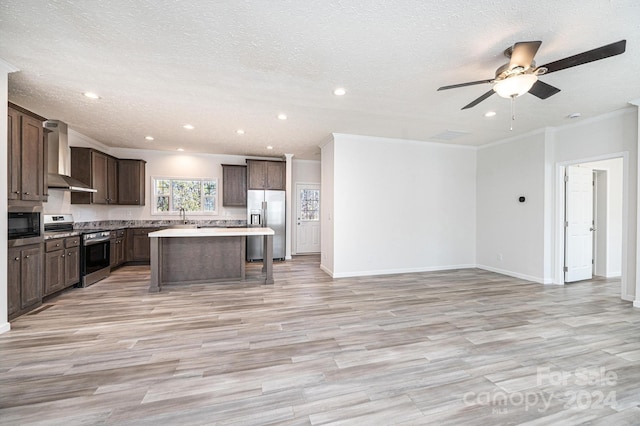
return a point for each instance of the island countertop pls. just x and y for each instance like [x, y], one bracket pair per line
[210, 232]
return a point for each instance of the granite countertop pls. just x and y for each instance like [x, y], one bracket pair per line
[54, 235]
[211, 232]
[112, 225]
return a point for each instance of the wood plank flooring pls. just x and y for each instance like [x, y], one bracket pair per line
[446, 348]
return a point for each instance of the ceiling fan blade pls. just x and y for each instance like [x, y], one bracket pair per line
[612, 49]
[543, 90]
[471, 83]
[480, 99]
[523, 53]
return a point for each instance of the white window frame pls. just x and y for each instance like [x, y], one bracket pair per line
[154, 196]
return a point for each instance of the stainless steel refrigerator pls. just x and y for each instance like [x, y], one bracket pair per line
[266, 209]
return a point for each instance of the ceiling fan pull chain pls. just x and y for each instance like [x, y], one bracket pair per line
[513, 111]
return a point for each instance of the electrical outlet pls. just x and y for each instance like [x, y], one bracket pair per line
[499, 257]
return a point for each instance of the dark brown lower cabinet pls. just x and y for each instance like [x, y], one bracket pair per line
[54, 269]
[72, 266]
[117, 248]
[24, 274]
[139, 245]
[61, 264]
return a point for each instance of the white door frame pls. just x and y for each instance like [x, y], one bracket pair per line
[560, 214]
[294, 236]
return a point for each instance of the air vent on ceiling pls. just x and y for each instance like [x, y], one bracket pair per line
[449, 135]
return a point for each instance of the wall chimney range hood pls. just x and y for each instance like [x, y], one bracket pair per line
[58, 160]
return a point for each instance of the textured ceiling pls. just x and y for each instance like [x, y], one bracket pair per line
[228, 65]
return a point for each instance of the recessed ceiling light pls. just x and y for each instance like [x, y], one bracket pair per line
[240, 132]
[149, 138]
[575, 115]
[180, 149]
[269, 147]
[91, 95]
[490, 114]
[188, 127]
[282, 116]
[340, 91]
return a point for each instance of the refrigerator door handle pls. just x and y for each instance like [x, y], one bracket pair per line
[264, 214]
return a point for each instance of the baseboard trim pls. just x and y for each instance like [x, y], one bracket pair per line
[636, 303]
[5, 327]
[526, 277]
[327, 270]
[538, 280]
[401, 271]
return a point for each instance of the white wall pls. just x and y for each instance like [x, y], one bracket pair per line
[510, 234]
[401, 206]
[533, 234]
[306, 171]
[159, 164]
[607, 136]
[613, 214]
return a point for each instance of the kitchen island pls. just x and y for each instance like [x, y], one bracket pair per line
[191, 255]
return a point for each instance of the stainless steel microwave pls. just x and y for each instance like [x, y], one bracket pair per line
[25, 225]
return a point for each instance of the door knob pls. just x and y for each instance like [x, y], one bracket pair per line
[592, 229]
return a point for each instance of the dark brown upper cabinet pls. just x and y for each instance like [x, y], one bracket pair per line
[234, 185]
[99, 171]
[26, 156]
[263, 174]
[131, 181]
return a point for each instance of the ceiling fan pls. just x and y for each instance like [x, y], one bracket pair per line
[520, 75]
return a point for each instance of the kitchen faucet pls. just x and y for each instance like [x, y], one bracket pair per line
[183, 214]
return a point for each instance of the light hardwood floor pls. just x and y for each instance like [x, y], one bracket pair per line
[441, 348]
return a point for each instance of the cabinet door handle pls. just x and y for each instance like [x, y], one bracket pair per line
[62, 255]
[26, 257]
[58, 245]
[16, 192]
[69, 254]
[17, 258]
[26, 193]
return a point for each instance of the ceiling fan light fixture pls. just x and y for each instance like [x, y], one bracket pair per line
[518, 85]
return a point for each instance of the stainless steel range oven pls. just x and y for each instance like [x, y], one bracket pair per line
[95, 256]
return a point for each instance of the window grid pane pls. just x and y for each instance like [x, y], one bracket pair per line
[310, 204]
[194, 195]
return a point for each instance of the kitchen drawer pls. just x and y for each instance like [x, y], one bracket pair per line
[72, 242]
[53, 245]
[118, 233]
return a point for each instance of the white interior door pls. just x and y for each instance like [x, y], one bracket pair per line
[308, 218]
[578, 224]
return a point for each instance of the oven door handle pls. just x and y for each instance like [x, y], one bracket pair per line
[94, 242]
